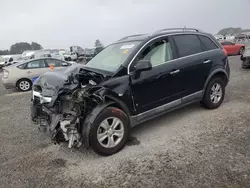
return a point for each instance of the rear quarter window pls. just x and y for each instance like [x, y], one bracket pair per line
[22, 66]
[208, 43]
[187, 45]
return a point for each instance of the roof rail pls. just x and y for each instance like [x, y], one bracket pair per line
[137, 35]
[176, 29]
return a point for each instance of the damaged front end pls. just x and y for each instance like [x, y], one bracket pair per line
[245, 58]
[62, 100]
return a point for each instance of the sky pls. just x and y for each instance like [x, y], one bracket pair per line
[63, 23]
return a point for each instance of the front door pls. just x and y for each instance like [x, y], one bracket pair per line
[160, 85]
[36, 68]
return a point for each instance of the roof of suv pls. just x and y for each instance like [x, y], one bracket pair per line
[142, 37]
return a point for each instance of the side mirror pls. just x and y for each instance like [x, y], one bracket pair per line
[143, 65]
[64, 64]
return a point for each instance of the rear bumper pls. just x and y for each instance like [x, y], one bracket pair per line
[9, 83]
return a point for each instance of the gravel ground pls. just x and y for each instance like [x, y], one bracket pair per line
[191, 147]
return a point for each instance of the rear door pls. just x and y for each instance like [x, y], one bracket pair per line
[196, 62]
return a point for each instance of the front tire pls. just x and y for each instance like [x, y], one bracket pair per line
[24, 85]
[242, 50]
[109, 131]
[214, 93]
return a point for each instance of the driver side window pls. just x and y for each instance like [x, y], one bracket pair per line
[157, 53]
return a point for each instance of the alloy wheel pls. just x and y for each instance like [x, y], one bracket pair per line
[216, 93]
[110, 132]
[24, 85]
[242, 51]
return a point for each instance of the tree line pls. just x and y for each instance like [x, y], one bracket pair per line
[20, 47]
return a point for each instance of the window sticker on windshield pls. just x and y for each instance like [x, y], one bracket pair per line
[125, 51]
[127, 46]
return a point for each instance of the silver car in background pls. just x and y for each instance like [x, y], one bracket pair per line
[22, 75]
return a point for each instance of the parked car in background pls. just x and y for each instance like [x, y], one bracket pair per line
[40, 54]
[245, 58]
[20, 75]
[13, 60]
[233, 48]
[2, 62]
[130, 82]
[29, 54]
[78, 50]
[70, 56]
[58, 56]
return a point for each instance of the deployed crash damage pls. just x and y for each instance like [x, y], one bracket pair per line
[63, 99]
[245, 58]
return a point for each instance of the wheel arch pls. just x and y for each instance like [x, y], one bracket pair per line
[118, 104]
[23, 79]
[109, 102]
[217, 73]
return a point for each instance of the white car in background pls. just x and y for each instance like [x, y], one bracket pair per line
[70, 56]
[26, 55]
[58, 56]
[2, 62]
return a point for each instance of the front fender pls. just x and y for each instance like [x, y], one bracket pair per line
[89, 121]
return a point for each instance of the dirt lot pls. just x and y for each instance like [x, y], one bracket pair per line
[191, 147]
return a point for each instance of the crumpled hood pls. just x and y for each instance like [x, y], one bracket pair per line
[52, 83]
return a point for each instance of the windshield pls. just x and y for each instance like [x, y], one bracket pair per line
[112, 57]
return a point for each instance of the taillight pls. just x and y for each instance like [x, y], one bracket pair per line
[224, 51]
[5, 73]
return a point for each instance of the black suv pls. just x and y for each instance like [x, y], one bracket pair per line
[131, 81]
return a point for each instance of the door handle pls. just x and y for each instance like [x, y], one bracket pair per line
[174, 72]
[207, 61]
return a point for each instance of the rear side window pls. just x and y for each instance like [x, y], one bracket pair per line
[187, 45]
[36, 64]
[22, 66]
[208, 43]
[54, 62]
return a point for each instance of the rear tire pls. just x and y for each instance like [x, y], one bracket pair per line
[24, 85]
[214, 93]
[105, 138]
